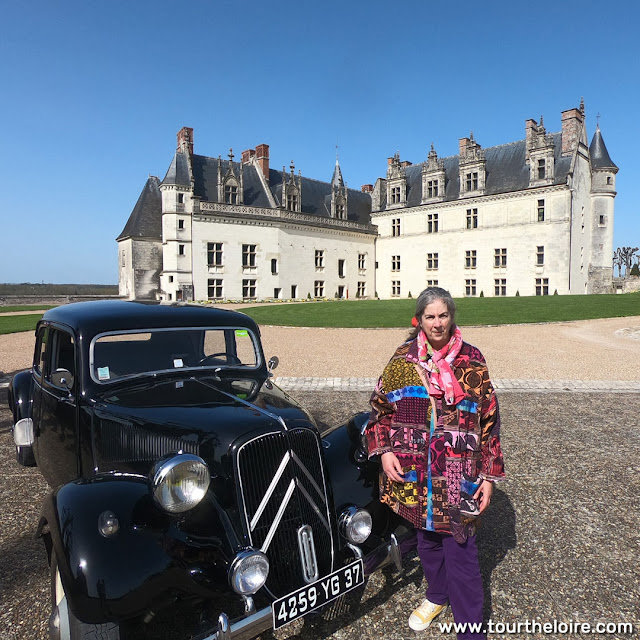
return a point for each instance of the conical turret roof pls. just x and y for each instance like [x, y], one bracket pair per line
[598, 151]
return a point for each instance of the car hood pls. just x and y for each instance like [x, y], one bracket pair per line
[136, 425]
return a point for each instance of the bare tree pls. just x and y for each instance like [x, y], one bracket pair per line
[617, 262]
[623, 256]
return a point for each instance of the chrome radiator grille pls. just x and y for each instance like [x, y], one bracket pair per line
[282, 489]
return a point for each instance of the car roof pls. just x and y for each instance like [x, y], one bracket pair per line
[112, 315]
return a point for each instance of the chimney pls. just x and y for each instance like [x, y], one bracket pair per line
[463, 144]
[185, 140]
[405, 163]
[389, 161]
[530, 129]
[366, 188]
[262, 156]
[571, 128]
[247, 155]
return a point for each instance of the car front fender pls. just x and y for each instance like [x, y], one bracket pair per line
[20, 403]
[354, 479]
[145, 564]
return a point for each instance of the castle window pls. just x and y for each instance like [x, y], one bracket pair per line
[500, 286]
[319, 258]
[395, 195]
[181, 198]
[361, 292]
[432, 223]
[472, 218]
[170, 278]
[231, 194]
[470, 259]
[361, 261]
[274, 266]
[249, 255]
[395, 227]
[432, 261]
[609, 180]
[180, 249]
[432, 283]
[214, 254]
[395, 263]
[540, 210]
[318, 289]
[340, 268]
[248, 289]
[539, 256]
[294, 291]
[180, 224]
[472, 181]
[542, 169]
[214, 288]
[432, 189]
[469, 288]
[602, 220]
[499, 258]
[395, 288]
[542, 286]
[292, 201]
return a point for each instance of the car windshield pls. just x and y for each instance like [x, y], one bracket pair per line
[114, 356]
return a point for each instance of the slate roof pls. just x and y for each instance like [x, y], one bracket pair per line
[145, 220]
[506, 171]
[598, 151]
[178, 172]
[316, 195]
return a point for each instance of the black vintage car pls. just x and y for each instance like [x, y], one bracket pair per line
[187, 488]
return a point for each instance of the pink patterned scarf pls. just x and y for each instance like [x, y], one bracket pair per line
[442, 381]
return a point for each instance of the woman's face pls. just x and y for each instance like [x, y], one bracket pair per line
[436, 323]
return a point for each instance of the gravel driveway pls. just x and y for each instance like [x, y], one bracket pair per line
[561, 538]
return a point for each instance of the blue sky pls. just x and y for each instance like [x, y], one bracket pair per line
[95, 92]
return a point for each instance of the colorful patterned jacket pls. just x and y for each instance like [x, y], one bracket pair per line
[444, 459]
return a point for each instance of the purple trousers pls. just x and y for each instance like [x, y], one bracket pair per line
[453, 576]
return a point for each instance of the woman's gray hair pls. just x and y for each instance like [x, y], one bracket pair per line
[426, 297]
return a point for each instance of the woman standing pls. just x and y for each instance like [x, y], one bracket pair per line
[435, 424]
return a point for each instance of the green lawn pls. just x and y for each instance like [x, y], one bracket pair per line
[14, 324]
[27, 307]
[471, 311]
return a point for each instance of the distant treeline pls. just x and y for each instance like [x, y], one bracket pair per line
[29, 289]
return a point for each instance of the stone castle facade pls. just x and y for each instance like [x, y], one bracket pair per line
[530, 217]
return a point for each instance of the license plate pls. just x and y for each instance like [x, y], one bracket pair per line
[299, 603]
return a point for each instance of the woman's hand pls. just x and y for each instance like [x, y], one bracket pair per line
[392, 467]
[483, 494]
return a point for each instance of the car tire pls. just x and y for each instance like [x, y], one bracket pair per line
[63, 625]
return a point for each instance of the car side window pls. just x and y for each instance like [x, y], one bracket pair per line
[40, 350]
[61, 359]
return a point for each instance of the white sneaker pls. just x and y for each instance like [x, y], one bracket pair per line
[425, 614]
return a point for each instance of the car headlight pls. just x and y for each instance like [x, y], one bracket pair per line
[355, 524]
[179, 483]
[249, 572]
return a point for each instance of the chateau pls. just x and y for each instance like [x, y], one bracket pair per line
[530, 217]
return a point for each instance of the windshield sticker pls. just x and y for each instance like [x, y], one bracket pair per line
[177, 362]
[103, 373]
[240, 333]
[179, 384]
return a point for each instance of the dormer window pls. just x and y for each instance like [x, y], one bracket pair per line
[395, 195]
[292, 201]
[472, 181]
[231, 193]
[432, 188]
[542, 169]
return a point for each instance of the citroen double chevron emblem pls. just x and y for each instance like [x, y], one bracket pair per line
[308, 554]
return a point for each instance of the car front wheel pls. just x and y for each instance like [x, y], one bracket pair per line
[63, 625]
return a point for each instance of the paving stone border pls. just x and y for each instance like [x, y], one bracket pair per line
[534, 386]
[503, 386]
